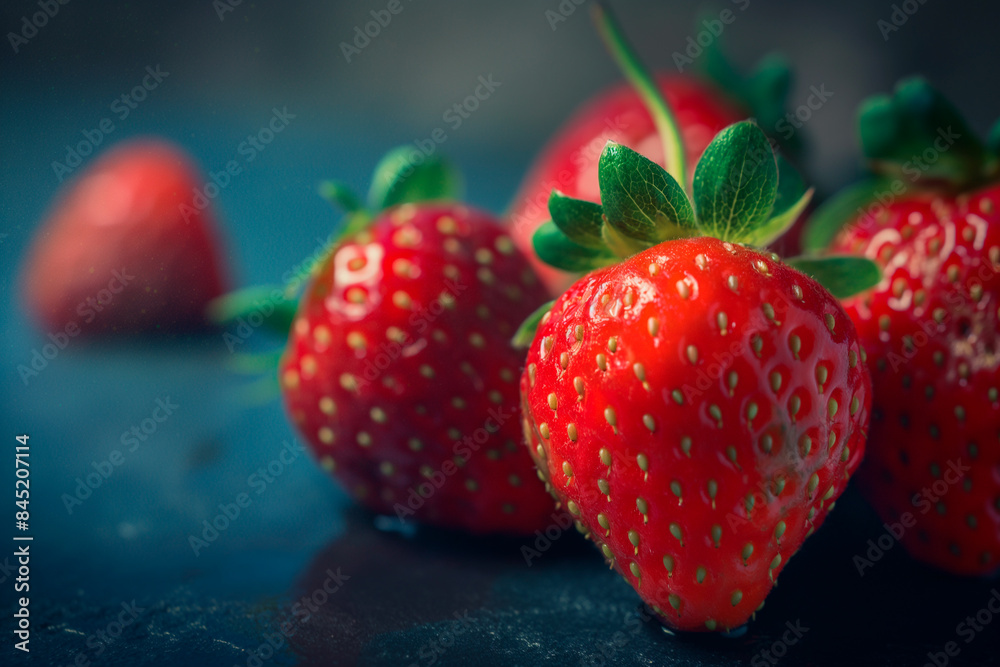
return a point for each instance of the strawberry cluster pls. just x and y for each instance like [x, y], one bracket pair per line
[692, 402]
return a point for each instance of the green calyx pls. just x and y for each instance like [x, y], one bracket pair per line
[741, 193]
[398, 179]
[764, 92]
[913, 140]
[842, 275]
[918, 135]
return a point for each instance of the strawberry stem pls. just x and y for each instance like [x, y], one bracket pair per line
[642, 80]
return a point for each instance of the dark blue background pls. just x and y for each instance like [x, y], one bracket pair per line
[129, 540]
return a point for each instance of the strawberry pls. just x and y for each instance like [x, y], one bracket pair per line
[696, 404]
[702, 105]
[399, 370]
[930, 326]
[125, 249]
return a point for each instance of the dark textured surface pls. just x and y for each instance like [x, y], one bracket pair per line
[400, 592]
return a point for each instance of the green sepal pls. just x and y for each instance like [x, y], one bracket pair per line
[555, 249]
[849, 204]
[246, 363]
[763, 94]
[897, 130]
[340, 195]
[398, 179]
[228, 307]
[842, 275]
[993, 140]
[579, 220]
[771, 230]
[526, 332]
[640, 199]
[768, 88]
[791, 187]
[789, 203]
[261, 391]
[622, 246]
[735, 183]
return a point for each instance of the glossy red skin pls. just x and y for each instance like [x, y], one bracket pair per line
[568, 162]
[384, 285]
[914, 394]
[598, 304]
[123, 214]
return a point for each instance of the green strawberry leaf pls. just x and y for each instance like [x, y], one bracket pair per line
[841, 275]
[340, 196]
[791, 199]
[993, 140]
[579, 220]
[763, 94]
[791, 187]
[555, 249]
[241, 303]
[526, 332]
[735, 183]
[917, 133]
[399, 179]
[622, 246]
[770, 231]
[768, 88]
[641, 200]
[850, 204]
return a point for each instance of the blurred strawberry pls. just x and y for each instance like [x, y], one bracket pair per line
[130, 246]
[929, 217]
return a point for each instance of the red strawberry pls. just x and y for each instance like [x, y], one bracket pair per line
[125, 249]
[568, 162]
[400, 373]
[699, 406]
[930, 327]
